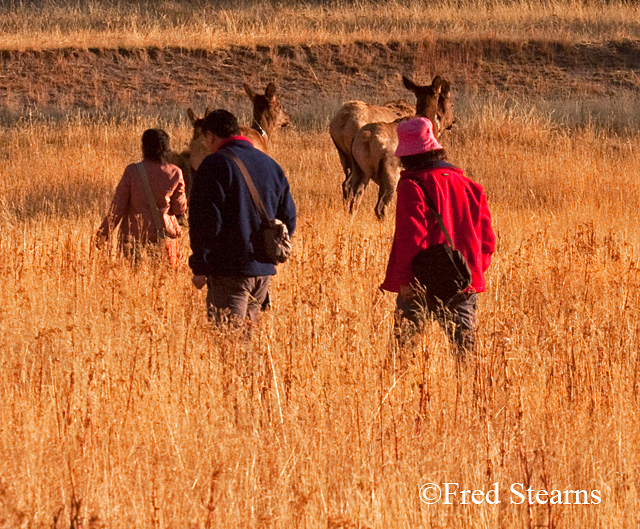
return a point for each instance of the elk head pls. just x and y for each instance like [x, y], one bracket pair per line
[433, 102]
[268, 114]
[197, 149]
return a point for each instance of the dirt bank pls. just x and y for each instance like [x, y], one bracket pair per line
[102, 78]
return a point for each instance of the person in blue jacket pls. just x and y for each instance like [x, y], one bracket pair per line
[224, 223]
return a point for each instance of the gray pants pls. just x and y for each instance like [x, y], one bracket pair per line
[232, 299]
[457, 318]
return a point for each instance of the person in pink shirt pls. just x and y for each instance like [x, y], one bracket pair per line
[462, 204]
[130, 208]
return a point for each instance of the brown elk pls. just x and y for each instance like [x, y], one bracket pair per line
[268, 116]
[350, 118]
[373, 147]
[190, 159]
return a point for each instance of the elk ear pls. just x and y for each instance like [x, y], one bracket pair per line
[437, 83]
[409, 84]
[207, 111]
[192, 116]
[249, 92]
[445, 88]
[270, 91]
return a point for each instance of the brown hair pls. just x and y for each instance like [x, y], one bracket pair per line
[418, 161]
[155, 145]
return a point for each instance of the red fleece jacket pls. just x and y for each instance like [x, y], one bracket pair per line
[463, 206]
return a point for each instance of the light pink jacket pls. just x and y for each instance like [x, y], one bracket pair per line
[130, 206]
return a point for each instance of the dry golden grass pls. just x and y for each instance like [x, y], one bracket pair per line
[59, 23]
[121, 407]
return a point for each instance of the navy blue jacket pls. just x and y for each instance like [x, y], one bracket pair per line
[224, 223]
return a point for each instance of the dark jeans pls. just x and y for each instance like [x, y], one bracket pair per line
[457, 318]
[232, 299]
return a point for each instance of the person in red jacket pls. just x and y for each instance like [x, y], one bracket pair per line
[463, 207]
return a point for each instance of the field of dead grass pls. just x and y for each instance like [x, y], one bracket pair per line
[121, 407]
[204, 25]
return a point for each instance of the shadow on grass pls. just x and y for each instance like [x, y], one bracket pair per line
[67, 201]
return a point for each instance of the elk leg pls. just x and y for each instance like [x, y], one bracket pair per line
[360, 181]
[388, 176]
[384, 198]
[357, 197]
[346, 164]
[347, 189]
[345, 161]
[353, 181]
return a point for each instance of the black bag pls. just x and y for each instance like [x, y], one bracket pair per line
[275, 234]
[441, 269]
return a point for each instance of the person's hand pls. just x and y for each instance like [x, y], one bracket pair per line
[199, 281]
[407, 292]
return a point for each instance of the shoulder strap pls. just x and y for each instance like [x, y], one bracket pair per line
[434, 210]
[252, 188]
[152, 201]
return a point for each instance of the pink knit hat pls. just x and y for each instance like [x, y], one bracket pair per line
[415, 136]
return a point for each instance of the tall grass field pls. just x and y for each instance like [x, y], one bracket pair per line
[122, 407]
[209, 25]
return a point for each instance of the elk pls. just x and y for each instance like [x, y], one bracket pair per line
[268, 116]
[373, 147]
[350, 118]
[190, 159]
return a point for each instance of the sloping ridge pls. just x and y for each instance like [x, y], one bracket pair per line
[101, 78]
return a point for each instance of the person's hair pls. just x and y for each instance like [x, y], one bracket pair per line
[155, 145]
[418, 161]
[222, 123]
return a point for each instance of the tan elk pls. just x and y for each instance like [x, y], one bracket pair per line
[373, 147]
[350, 118]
